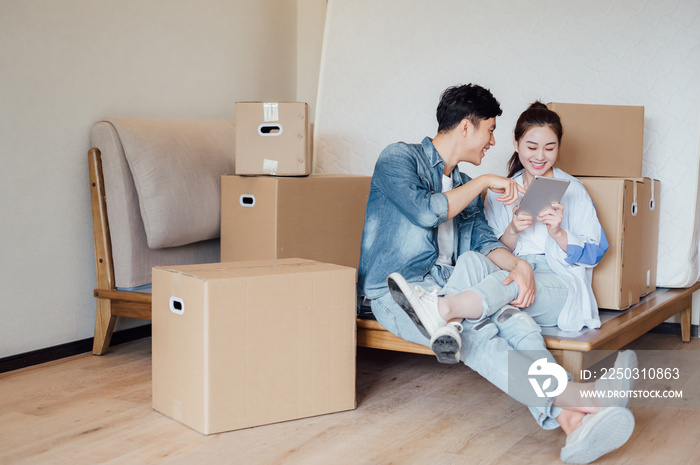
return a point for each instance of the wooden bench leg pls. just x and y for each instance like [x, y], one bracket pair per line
[104, 326]
[685, 315]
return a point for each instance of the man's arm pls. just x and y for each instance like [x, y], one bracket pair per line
[396, 176]
[459, 198]
[520, 272]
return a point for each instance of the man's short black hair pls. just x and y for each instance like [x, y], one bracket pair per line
[466, 101]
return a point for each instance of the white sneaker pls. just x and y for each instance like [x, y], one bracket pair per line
[599, 434]
[446, 344]
[422, 307]
[619, 380]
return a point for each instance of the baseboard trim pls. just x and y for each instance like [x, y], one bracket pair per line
[15, 362]
[675, 328]
[49, 354]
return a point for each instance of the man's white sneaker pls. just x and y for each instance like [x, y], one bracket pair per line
[446, 343]
[422, 307]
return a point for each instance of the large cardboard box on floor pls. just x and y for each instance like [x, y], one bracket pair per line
[250, 343]
[628, 210]
[273, 138]
[319, 217]
[601, 140]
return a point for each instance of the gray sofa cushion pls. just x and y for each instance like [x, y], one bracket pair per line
[132, 257]
[177, 166]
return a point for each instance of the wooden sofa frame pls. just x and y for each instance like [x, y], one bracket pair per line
[574, 354]
[111, 302]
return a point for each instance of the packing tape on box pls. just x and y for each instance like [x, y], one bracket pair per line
[271, 112]
[270, 166]
[652, 198]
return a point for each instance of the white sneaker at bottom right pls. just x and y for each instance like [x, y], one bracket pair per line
[599, 434]
[619, 381]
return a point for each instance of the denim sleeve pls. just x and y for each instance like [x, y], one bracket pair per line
[398, 177]
[483, 239]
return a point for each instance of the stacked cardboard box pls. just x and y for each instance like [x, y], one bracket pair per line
[627, 210]
[273, 207]
[602, 146]
[319, 217]
[267, 335]
[272, 138]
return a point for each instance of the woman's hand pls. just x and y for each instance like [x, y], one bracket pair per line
[519, 222]
[552, 218]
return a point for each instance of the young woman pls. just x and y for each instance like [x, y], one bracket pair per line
[563, 242]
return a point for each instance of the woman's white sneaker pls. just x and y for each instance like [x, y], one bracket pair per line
[618, 382]
[599, 434]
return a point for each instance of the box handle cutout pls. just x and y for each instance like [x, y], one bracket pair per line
[177, 305]
[634, 199]
[652, 202]
[273, 129]
[247, 200]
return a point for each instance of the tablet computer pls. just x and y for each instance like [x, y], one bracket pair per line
[542, 193]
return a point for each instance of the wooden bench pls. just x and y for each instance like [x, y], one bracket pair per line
[580, 352]
[572, 353]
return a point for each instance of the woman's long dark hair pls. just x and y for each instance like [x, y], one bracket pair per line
[536, 115]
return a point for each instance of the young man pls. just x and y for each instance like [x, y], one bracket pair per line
[426, 234]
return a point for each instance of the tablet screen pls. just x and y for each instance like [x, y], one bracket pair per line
[542, 193]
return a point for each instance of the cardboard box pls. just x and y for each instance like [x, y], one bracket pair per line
[250, 343]
[601, 140]
[273, 138]
[628, 210]
[319, 217]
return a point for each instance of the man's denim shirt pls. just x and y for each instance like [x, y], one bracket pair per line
[405, 207]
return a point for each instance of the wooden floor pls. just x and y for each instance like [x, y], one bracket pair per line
[411, 410]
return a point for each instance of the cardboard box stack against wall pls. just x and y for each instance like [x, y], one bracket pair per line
[273, 207]
[268, 334]
[603, 147]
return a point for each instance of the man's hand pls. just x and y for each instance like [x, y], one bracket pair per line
[508, 188]
[524, 277]
[520, 273]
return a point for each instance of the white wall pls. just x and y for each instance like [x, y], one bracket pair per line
[311, 17]
[384, 66]
[66, 63]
